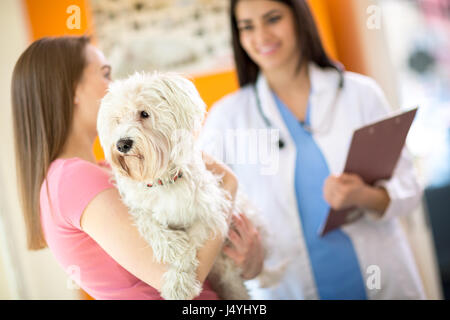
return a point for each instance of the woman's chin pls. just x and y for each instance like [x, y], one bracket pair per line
[270, 66]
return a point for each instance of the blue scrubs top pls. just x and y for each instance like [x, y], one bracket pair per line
[333, 259]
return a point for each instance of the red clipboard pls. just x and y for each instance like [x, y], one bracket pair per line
[374, 152]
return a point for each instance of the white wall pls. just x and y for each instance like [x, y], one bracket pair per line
[23, 274]
[375, 48]
[7, 283]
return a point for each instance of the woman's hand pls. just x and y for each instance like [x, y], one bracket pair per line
[229, 180]
[246, 248]
[348, 190]
[343, 191]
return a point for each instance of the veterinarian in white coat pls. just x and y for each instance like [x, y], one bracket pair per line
[367, 259]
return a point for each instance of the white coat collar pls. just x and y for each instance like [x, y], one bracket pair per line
[321, 79]
[324, 84]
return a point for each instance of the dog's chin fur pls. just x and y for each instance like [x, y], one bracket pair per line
[176, 218]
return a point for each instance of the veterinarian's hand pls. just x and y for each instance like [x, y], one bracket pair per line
[344, 191]
[246, 248]
[349, 190]
[229, 180]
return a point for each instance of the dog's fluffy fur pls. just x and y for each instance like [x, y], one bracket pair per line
[177, 217]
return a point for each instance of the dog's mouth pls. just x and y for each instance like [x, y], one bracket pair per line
[129, 164]
[138, 156]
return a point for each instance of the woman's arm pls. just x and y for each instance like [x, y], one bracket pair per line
[229, 180]
[374, 199]
[395, 197]
[107, 220]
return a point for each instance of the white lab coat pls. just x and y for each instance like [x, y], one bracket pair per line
[385, 258]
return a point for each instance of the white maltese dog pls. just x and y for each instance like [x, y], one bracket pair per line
[147, 126]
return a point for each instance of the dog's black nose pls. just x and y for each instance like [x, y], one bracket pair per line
[124, 145]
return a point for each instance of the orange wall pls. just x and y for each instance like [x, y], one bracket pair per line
[48, 18]
[347, 41]
[214, 86]
[321, 14]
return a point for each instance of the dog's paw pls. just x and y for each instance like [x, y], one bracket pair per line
[170, 245]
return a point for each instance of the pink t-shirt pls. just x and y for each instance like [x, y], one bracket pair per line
[72, 184]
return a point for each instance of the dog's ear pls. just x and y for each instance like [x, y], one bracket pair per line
[182, 94]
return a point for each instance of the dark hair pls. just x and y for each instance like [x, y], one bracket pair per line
[307, 35]
[43, 87]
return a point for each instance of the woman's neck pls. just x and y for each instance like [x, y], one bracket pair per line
[289, 82]
[79, 145]
[292, 88]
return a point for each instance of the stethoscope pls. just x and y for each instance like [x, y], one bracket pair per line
[308, 128]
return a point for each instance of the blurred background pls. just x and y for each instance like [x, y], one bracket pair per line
[403, 44]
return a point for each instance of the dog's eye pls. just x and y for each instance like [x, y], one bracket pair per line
[144, 114]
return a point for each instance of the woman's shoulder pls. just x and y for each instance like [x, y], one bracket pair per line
[76, 169]
[372, 101]
[233, 100]
[85, 173]
[73, 183]
[361, 82]
[230, 107]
